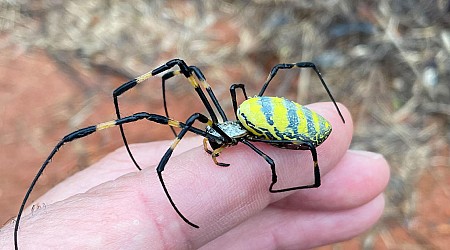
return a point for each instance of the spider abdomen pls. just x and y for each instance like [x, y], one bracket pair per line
[277, 118]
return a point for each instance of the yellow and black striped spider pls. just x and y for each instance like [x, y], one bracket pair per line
[274, 120]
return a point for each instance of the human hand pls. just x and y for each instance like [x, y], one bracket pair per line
[111, 205]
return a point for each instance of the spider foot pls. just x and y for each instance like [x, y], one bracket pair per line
[222, 164]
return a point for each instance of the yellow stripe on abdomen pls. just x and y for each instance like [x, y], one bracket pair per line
[276, 118]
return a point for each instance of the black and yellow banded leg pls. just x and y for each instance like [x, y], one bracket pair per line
[233, 88]
[183, 69]
[90, 130]
[187, 72]
[166, 76]
[162, 164]
[198, 73]
[116, 93]
[275, 69]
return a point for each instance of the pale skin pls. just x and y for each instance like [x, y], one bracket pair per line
[111, 205]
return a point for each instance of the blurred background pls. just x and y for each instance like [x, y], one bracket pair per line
[387, 61]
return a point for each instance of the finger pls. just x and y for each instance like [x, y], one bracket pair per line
[231, 195]
[277, 228]
[133, 210]
[274, 219]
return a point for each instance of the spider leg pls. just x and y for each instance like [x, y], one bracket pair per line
[183, 69]
[309, 147]
[162, 164]
[90, 130]
[187, 72]
[205, 146]
[166, 76]
[216, 153]
[275, 69]
[116, 93]
[317, 180]
[198, 73]
[266, 157]
[233, 88]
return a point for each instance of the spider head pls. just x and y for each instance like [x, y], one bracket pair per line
[233, 129]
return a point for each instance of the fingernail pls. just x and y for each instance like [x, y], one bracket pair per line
[367, 154]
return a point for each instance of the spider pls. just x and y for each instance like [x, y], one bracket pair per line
[273, 120]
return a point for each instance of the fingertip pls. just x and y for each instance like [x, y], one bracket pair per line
[378, 167]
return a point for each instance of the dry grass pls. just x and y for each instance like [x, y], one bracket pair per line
[388, 61]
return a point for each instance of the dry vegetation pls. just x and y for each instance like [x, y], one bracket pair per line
[388, 61]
